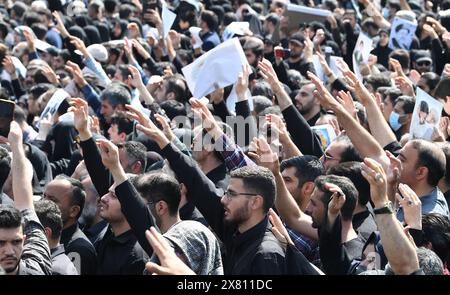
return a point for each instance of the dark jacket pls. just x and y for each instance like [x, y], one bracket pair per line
[364, 224]
[74, 240]
[121, 255]
[245, 252]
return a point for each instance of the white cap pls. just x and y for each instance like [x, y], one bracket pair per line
[37, 5]
[76, 7]
[236, 28]
[98, 51]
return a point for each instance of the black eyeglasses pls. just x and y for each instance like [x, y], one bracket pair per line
[231, 194]
[424, 63]
[328, 157]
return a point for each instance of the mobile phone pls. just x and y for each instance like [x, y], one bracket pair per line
[6, 116]
[328, 51]
[282, 53]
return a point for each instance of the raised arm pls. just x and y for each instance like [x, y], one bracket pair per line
[133, 206]
[302, 134]
[285, 203]
[379, 128]
[363, 141]
[399, 250]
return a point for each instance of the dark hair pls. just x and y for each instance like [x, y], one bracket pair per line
[408, 103]
[347, 187]
[436, 230]
[78, 196]
[116, 94]
[10, 217]
[124, 124]
[5, 166]
[39, 89]
[156, 186]
[50, 216]
[352, 170]
[260, 103]
[228, 18]
[124, 71]
[210, 19]
[402, 56]
[308, 168]
[350, 153]
[273, 18]
[431, 79]
[424, 107]
[262, 88]
[393, 93]
[378, 80]
[136, 151]
[173, 108]
[442, 89]
[177, 85]
[445, 146]
[258, 180]
[432, 157]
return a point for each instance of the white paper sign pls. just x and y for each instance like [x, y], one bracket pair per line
[236, 28]
[54, 103]
[195, 32]
[402, 34]
[318, 68]
[215, 69]
[67, 117]
[361, 53]
[334, 67]
[301, 14]
[168, 17]
[426, 115]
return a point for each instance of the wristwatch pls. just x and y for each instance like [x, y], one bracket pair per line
[388, 208]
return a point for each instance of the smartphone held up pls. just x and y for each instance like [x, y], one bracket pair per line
[6, 116]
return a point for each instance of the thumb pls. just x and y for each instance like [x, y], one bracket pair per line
[155, 268]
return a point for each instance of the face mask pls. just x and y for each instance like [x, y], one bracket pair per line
[385, 12]
[393, 121]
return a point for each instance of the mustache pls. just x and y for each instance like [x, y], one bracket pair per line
[9, 257]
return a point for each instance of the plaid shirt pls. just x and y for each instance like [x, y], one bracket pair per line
[308, 247]
[232, 154]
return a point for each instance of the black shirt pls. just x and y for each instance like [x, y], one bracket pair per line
[75, 240]
[121, 255]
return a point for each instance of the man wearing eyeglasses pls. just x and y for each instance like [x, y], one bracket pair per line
[339, 151]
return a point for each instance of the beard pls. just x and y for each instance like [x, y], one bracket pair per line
[241, 215]
[11, 268]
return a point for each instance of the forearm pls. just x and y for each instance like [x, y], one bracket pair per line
[250, 130]
[145, 95]
[363, 141]
[290, 212]
[92, 98]
[232, 154]
[399, 250]
[22, 174]
[289, 147]
[379, 128]
[97, 69]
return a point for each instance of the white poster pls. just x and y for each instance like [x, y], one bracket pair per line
[215, 69]
[195, 32]
[361, 53]
[54, 103]
[426, 115]
[401, 34]
[168, 17]
[298, 14]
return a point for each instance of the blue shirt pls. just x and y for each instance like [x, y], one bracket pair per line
[434, 202]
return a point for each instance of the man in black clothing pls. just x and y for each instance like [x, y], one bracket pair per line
[239, 218]
[69, 195]
[307, 104]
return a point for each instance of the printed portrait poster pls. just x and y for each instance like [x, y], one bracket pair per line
[326, 134]
[426, 116]
[401, 34]
[361, 53]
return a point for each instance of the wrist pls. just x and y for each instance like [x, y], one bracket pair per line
[380, 204]
[84, 134]
[162, 141]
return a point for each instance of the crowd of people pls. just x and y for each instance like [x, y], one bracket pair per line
[110, 166]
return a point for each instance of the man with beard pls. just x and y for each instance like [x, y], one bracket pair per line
[24, 249]
[307, 104]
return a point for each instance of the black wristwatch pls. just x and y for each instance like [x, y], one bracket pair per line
[388, 208]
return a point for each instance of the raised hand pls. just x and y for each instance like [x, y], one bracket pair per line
[374, 173]
[28, 34]
[268, 73]
[50, 74]
[9, 66]
[136, 79]
[404, 85]
[110, 153]
[242, 82]
[208, 121]
[278, 228]
[60, 25]
[337, 199]
[76, 72]
[140, 49]
[264, 156]
[322, 94]
[170, 264]
[395, 64]
[79, 107]
[356, 86]
[346, 100]
[79, 44]
[412, 206]
[133, 28]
